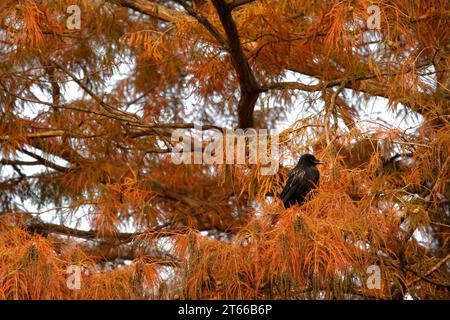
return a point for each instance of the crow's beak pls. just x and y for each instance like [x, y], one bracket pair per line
[318, 162]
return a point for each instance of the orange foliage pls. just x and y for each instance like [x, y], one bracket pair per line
[87, 178]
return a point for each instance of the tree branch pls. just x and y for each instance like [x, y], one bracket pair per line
[431, 281]
[425, 275]
[44, 162]
[40, 227]
[119, 113]
[151, 9]
[249, 87]
[205, 22]
[19, 162]
[366, 83]
[237, 3]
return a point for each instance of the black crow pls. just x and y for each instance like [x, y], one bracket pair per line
[302, 179]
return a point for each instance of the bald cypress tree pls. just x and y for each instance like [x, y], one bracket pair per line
[91, 93]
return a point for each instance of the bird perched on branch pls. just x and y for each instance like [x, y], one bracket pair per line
[302, 179]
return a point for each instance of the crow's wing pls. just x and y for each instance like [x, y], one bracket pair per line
[295, 181]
